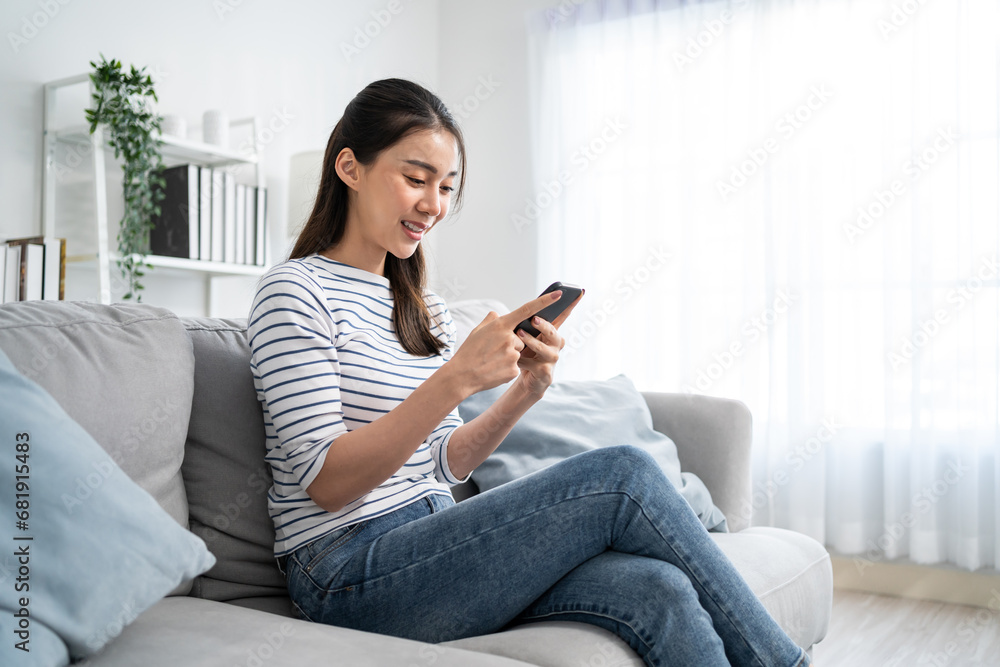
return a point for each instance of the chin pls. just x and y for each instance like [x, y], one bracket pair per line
[405, 253]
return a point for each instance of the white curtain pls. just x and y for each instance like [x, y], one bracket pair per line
[792, 203]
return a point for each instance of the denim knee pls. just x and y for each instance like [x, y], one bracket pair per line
[626, 462]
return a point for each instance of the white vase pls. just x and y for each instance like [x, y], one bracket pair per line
[174, 125]
[215, 128]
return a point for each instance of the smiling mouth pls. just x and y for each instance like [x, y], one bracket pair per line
[413, 227]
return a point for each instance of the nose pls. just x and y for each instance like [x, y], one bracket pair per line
[430, 203]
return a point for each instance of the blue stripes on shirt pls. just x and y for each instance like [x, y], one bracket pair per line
[321, 331]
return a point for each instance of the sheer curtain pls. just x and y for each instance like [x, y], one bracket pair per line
[792, 203]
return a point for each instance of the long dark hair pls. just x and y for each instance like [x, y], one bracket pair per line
[379, 116]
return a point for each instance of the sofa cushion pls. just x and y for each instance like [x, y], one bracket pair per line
[225, 474]
[790, 573]
[92, 549]
[124, 372]
[555, 643]
[578, 416]
[202, 633]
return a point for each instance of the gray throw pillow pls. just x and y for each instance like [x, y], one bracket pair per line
[574, 417]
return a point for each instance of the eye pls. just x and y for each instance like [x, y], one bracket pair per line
[447, 188]
[416, 181]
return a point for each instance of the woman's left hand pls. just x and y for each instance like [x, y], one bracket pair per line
[540, 353]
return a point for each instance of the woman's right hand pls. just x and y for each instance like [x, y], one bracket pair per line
[488, 357]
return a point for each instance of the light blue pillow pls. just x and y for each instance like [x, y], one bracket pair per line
[100, 549]
[574, 417]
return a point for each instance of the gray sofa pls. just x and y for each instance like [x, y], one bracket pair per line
[172, 400]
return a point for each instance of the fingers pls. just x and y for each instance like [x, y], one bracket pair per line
[564, 314]
[515, 316]
[547, 350]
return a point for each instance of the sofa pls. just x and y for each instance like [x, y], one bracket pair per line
[171, 399]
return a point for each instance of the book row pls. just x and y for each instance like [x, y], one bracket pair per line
[33, 268]
[205, 214]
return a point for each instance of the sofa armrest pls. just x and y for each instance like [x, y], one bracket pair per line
[713, 438]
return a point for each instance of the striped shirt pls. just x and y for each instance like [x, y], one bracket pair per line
[325, 361]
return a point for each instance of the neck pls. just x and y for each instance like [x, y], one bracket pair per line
[354, 251]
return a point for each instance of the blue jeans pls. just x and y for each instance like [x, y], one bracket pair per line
[601, 538]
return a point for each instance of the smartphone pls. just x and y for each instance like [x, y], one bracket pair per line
[552, 311]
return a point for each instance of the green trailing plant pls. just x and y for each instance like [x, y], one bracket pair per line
[121, 103]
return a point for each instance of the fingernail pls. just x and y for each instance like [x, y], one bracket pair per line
[536, 320]
[556, 295]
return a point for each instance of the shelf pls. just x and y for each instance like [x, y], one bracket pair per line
[173, 148]
[206, 267]
[174, 151]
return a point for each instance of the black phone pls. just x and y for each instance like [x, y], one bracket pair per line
[552, 311]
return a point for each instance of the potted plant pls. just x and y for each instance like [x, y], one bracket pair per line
[121, 103]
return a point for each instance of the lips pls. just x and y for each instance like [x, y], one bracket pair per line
[416, 236]
[415, 226]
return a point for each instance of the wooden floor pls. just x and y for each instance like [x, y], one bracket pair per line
[878, 631]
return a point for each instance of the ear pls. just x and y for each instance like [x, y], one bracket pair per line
[348, 168]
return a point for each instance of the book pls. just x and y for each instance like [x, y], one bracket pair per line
[261, 227]
[33, 260]
[54, 283]
[3, 273]
[21, 272]
[241, 223]
[218, 185]
[250, 209]
[175, 231]
[205, 212]
[229, 213]
[12, 276]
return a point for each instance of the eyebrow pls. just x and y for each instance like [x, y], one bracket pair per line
[428, 167]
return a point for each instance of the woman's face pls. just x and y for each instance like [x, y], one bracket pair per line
[404, 193]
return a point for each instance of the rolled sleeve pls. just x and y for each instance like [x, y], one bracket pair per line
[297, 371]
[439, 438]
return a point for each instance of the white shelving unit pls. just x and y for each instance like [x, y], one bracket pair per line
[174, 150]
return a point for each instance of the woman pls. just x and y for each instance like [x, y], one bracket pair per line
[364, 437]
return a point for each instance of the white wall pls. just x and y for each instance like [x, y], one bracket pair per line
[269, 59]
[479, 253]
[261, 58]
